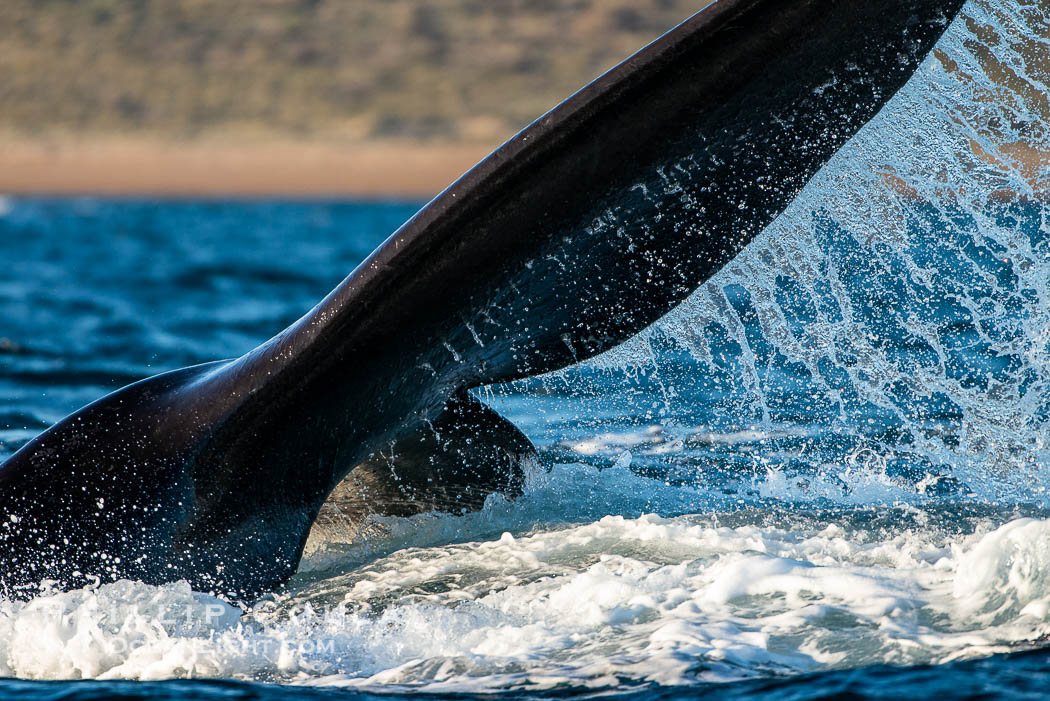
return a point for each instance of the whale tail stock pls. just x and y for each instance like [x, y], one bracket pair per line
[576, 234]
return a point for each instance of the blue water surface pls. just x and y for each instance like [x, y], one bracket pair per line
[98, 293]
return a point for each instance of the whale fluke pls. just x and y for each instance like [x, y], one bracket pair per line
[573, 236]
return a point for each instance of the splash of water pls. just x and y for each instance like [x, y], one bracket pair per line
[899, 310]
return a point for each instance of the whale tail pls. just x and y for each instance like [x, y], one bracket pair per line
[574, 235]
[451, 464]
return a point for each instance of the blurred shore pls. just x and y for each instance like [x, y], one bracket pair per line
[391, 169]
[323, 98]
[290, 97]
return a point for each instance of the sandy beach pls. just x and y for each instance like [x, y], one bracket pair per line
[196, 169]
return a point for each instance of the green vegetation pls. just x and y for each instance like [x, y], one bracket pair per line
[447, 70]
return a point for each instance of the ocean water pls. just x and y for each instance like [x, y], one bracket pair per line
[825, 473]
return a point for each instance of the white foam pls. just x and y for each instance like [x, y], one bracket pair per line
[651, 599]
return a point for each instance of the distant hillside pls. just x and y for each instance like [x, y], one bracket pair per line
[442, 70]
